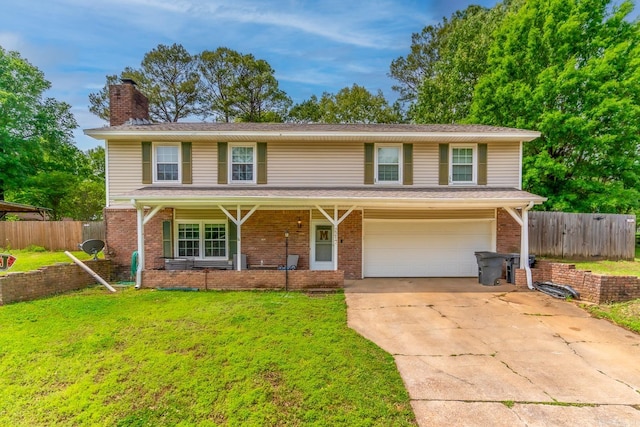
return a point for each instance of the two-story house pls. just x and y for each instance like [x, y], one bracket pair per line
[374, 200]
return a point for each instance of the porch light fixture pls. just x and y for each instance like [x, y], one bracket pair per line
[286, 260]
[299, 223]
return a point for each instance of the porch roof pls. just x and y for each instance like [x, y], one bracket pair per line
[392, 197]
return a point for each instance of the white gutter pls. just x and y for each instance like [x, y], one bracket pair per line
[523, 221]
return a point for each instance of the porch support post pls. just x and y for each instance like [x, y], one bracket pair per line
[153, 213]
[335, 221]
[523, 220]
[238, 220]
[140, 231]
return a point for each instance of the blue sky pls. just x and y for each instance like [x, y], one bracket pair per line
[313, 46]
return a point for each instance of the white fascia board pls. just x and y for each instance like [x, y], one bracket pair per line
[346, 202]
[301, 135]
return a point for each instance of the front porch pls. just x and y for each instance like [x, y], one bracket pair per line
[244, 280]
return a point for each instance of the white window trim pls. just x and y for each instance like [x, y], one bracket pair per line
[201, 224]
[232, 145]
[474, 165]
[154, 154]
[400, 163]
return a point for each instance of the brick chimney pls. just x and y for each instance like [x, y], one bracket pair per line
[127, 102]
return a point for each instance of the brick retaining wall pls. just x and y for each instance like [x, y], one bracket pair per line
[50, 280]
[592, 287]
[242, 280]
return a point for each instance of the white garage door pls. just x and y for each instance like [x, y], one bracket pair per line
[424, 248]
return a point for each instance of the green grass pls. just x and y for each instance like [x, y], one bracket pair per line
[613, 268]
[153, 358]
[27, 260]
[625, 314]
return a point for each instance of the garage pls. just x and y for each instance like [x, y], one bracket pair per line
[424, 248]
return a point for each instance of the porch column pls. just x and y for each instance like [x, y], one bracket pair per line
[238, 221]
[523, 220]
[140, 230]
[335, 221]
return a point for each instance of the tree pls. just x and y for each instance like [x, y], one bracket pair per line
[350, 105]
[240, 87]
[570, 69]
[459, 48]
[168, 76]
[35, 132]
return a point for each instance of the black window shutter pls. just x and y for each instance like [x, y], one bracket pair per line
[167, 240]
[482, 164]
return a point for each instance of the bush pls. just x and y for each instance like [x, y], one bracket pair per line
[35, 248]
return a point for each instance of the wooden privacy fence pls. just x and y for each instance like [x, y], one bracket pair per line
[52, 235]
[582, 236]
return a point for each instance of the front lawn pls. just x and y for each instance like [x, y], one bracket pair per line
[29, 259]
[625, 314]
[612, 268]
[151, 358]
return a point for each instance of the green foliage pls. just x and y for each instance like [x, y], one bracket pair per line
[570, 69]
[350, 105]
[199, 358]
[223, 84]
[35, 132]
[455, 57]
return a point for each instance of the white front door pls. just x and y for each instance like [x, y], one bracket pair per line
[321, 245]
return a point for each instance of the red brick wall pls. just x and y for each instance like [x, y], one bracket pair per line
[263, 237]
[243, 280]
[592, 287]
[122, 238]
[50, 280]
[508, 233]
[350, 245]
[126, 102]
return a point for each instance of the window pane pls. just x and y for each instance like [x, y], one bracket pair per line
[242, 172]
[462, 173]
[242, 163]
[463, 155]
[215, 240]
[189, 240]
[167, 163]
[388, 155]
[387, 172]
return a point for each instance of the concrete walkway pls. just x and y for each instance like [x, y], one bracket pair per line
[473, 355]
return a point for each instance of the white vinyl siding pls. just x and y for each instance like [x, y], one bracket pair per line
[125, 170]
[425, 164]
[199, 214]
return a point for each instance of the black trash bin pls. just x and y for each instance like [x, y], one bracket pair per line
[489, 267]
[513, 263]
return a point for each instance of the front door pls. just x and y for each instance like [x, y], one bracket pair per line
[321, 246]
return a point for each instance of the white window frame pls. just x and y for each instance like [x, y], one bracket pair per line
[474, 164]
[155, 162]
[201, 247]
[400, 162]
[253, 146]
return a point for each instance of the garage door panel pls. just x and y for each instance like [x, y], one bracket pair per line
[424, 248]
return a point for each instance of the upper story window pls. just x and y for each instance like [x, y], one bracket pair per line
[463, 169]
[388, 164]
[167, 163]
[242, 161]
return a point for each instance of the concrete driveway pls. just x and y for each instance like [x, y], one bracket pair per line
[473, 355]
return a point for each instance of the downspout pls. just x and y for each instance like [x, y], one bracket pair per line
[524, 245]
